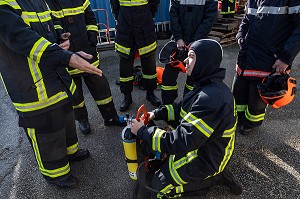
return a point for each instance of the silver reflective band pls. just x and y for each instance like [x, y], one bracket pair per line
[267, 10]
[294, 9]
[192, 2]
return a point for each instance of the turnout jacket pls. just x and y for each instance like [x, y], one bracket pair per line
[271, 31]
[32, 65]
[203, 143]
[135, 26]
[192, 20]
[77, 18]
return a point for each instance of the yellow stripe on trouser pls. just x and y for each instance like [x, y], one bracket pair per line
[254, 118]
[147, 49]
[149, 76]
[72, 149]
[126, 79]
[133, 2]
[54, 173]
[189, 87]
[104, 101]
[92, 27]
[241, 108]
[77, 71]
[169, 88]
[79, 105]
[122, 49]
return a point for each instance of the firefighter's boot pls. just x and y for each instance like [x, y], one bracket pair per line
[152, 98]
[80, 155]
[84, 126]
[126, 102]
[225, 178]
[70, 182]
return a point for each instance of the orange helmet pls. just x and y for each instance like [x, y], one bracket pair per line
[277, 90]
[159, 72]
[170, 54]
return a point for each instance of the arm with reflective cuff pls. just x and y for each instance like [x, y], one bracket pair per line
[13, 30]
[169, 112]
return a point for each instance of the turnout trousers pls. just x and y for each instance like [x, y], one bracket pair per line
[53, 138]
[251, 108]
[100, 91]
[169, 88]
[126, 73]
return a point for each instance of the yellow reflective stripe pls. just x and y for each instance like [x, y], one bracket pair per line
[33, 106]
[156, 139]
[92, 27]
[133, 2]
[38, 79]
[147, 49]
[96, 63]
[122, 49]
[228, 150]
[10, 3]
[3, 83]
[31, 134]
[179, 189]
[241, 108]
[79, 105]
[38, 49]
[54, 173]
[165, 190]
[72, 87]
[104, 101]
[235, 108]
[199, 124]
[171, 114]
[72, 149]
[185, 160]
[32, 17]
[189, 87]
[174, 173]
[58, 27]
[254, 118]
[169, 88]
[149, 76]
[127, 79]
[77, 71]
[86, 4]
[229, 132]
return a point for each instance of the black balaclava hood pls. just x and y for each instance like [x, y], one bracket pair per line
[208, 59]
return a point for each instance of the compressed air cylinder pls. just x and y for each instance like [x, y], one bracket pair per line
[129, 144]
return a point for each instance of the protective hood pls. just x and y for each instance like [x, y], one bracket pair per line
[209, 55]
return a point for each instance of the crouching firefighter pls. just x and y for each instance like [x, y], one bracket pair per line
[200, 147]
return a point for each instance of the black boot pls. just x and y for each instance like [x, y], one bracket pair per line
[126, 102]
[69, 182]
[153, 99]
[245, 130]
[84, 126]
[225, 178]
[80, 155]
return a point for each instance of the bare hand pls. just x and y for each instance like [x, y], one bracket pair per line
[280, 66]
[180, 44]
[136, 125]
[77, 62]
[65, 36]
[65, 44]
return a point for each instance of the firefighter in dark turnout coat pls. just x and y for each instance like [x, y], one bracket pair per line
[203, 142]
[190, 21]
[77, 18]
[136, 32]
[33, 70]
[269, 39]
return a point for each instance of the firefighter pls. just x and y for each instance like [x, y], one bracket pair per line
[136, 32]
[269, 39]
[33, 70]
[201, 146]
[228, 8]
[77, 18]
[190, 21]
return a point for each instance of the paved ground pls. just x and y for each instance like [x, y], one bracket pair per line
[267, 162]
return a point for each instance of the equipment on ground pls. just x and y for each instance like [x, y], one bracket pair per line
[159, 73]
[277, 90]
[170, 54]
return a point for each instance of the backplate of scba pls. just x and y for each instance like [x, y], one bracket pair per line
[162, 30]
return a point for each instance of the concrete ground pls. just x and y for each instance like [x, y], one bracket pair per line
[267, 162]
